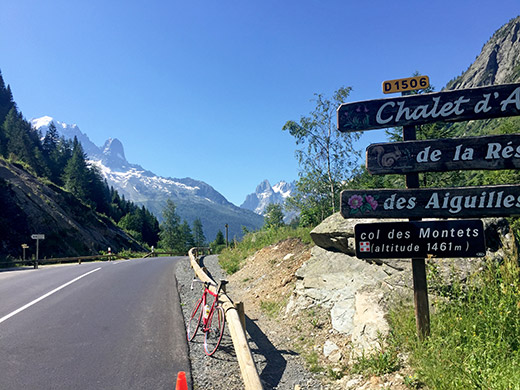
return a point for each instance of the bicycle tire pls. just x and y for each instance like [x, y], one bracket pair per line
[215, 330]
[194, 321]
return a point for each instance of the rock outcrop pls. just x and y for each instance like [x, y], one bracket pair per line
[498, 63]
[30, 206]
[359, 293]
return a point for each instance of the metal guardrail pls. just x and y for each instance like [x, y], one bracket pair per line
[79, 259]
[236, 329]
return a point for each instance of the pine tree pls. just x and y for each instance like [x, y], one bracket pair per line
[219, 243]
[22, 143]
[170, 236]
[187, 238]
[6, 100]
[76, 175]
[198, 233]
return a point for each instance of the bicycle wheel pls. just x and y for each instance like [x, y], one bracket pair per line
[194, 321]
[215, 330]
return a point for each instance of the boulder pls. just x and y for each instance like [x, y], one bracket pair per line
[336, 234]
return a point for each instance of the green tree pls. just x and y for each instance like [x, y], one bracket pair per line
[273, 217]
[198, 233]
[311, 199]
[22, 143]
[52, 153]
[327, 157]
[219, 243]
[6, 100]
[186, 241]
[76, 176]
[170, 235]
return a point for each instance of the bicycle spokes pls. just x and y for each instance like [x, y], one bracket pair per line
[194, 321]
[214, 330]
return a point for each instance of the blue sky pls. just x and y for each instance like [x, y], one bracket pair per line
[202, 89]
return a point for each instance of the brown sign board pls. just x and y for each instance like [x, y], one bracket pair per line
[387, 240]
[464, 202]
[487, 152]
[451, 106]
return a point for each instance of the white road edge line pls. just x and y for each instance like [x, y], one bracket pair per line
[4, 318]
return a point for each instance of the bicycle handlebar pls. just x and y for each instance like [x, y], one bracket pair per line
[206, 284]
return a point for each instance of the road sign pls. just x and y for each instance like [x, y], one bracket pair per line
[464, 202]
[487, 152]
[458, 105]
[407, 84]
[455, 238]
[38, 236]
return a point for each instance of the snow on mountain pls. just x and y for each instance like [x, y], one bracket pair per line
[69, 132]
[193, 198]
[266, 194]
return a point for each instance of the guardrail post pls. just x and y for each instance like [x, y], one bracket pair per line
[241, 314]
[35, 264]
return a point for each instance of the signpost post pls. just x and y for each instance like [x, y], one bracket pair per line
[419, 239]
[24, 247]
[37, 237]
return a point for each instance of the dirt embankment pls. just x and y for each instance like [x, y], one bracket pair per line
[265, 284]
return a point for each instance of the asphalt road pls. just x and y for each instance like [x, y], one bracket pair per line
[104, 325]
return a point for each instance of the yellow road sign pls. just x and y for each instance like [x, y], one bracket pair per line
[408, 84]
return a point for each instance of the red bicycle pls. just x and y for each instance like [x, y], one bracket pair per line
[212, 314]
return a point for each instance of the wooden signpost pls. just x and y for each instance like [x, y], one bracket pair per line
[452, 106]
[456, 238]
[37, 237]
[461, 202]
[418, 239]
[486, 152]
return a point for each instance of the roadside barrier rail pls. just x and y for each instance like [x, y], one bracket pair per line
[238, 333]
[79, 259]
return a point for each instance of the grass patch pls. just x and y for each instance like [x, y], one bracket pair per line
[313, 362]
[231, 258]
[379, 363]
[475, 334]
[271, 308]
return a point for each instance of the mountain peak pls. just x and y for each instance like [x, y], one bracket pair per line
[266, 194]
[263, 186]
[44, 121]
[67, 131]
[113, 150]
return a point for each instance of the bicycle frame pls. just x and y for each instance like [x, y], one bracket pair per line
[213, 317]
[207, 315]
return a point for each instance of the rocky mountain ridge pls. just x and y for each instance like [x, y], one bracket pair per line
[498, 62]
[193, 198]
[266, 194]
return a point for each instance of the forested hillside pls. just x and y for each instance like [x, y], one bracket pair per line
[48, 188]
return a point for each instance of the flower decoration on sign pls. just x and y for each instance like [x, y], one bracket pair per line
[362, 204]
[357, 117]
